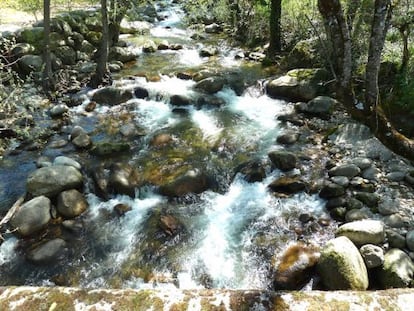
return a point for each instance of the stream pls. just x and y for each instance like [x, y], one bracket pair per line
[224, 237]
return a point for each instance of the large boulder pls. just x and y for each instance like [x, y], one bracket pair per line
[363, 231]
[298, 84]
[287, 185]
[283, 160]
[111, 96]
[397, 270]
[71, 203]
[122, 54]
[192, 182]
[30, 63]
[50, 181]
[32, 216]
[341, 266]
[320, 106]
[47, 252]
[210, 85]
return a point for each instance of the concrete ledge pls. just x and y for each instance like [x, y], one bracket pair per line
[63, 298]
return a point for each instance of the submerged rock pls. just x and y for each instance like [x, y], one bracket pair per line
[104, 149]
[32, 216]
[111, 96]
[341, 266]
[295, 267]
[47, 252]
[190, 182]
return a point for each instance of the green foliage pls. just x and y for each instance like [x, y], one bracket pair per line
[29, 6]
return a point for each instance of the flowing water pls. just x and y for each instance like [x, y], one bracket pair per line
[227, 236]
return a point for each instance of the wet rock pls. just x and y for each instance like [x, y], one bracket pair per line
[295, 267]
[341, 266]
[331, 190]
[176, 46]
[287, 185]
[184, 76]
[130, 130]
[288, 138]
[124, 179]
[149, 47]
[190, 182]
[362, 163]
[397, 270]
[161, 140]
[213, 28]
[163, 45]
[283, 160]
[355, 203]
[100, 176]
[297, 84]
[338, 213]
[292, 118]
[253, 171]
[111, 96]
[369, 199]
[43, 162]
[321, 106]
[208, 51]
[50, 181]
[410, 240]
[409, 178]
[336, 202]
[395, 176]
[135, 27]
[388, 206]
[169, 224]
[141, 92]
[357, 214]
[363, 232]
[340, 180]
[82, 141]
[62, 160]
[47, 252]
[210, 85]
[71, 203]
[256, 56]
[373, 255]
[32, 216]
[30, 63]
[347, 170]
[91, 106]
[395, 221]
[122, 209]
[180, 100]
[395, 240]
[104, 149]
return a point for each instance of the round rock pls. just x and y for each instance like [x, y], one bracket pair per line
[71, 203]
[373, 255]
[363, 231]
[397, 270]
[47, 252]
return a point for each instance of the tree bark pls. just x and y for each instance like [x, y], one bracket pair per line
[380, 24]
[47, 70]
[101, 65]
[275, 45]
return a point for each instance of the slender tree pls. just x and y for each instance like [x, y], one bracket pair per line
[337, 28]
[48, 83]
[102, 54]
[275, 30]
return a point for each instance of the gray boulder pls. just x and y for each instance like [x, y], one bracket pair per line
[363, 231]
[71, 203]
[30, 63]
[341, 266]
[50, 181]
[397, 270]
[111, 96]
[121, 54]
[347, 170]
[321, 106]
[298, 84]
[32, 216]
[47, 252]
[373, 255]
[210, 85]
[62, 160]
[283, 160]
[58, 110]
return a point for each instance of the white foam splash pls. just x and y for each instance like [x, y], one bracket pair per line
[7, 250]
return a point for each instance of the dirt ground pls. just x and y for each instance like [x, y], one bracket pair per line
[11, 19]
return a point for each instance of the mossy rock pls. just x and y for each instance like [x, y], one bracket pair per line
[33, 36]
[104, 149]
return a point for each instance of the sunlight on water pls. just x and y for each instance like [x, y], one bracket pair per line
[206, 122]
[153, 114]
[191, 57]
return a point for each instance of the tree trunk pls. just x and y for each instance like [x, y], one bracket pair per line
[380, 24]
[101, 65]
[48, 83]
[405, 34]
[352, 9]
[275, 31]
[338, 32]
